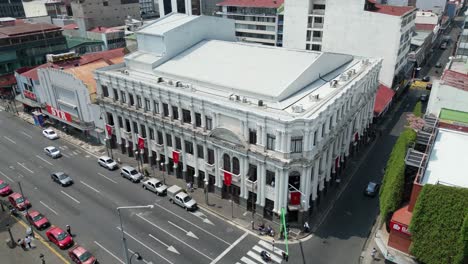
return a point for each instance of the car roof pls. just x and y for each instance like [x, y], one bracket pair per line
[153, 180]
[15, 195]
[372, 184]
[79, 250]
[105, 157]
[182, 194]
[59, 173]
[1, 181]
[33, 212]
[55, 230]
[50, 147]
[49, 129]
[128, 167]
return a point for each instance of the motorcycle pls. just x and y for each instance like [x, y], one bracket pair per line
[265, 256]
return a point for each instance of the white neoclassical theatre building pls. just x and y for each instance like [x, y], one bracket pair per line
[281, 122]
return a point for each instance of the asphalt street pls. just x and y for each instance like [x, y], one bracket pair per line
[164, 234]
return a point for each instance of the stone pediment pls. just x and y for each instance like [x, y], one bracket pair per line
[227, 137]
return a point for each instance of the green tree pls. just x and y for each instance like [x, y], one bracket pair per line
[417, 111]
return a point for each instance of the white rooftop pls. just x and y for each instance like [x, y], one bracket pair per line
[168, 23]
[447, 164]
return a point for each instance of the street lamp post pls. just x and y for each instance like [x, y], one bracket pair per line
[138, 256]
[164, 176]
[124, 240]
[106, 140]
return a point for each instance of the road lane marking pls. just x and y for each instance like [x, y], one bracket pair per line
[203, 217]
[188, 233]
[6, 176]
[107, 177]
[46, 206]
[9, 139]
[247, 260]
[273, 257]
[270, 247]
[65, 155]
[30, 171]
[220, 239]
[170, 248]
[69, 196]
[181, 241]
[90, 187]
[108, 251]
[20, 175]
[229, 248]
[255, 256]
[46, 161]
[29, 136]
[143, 244]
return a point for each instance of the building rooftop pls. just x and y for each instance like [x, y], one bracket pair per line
[383, 97]
[420, 37]
[26, 28]
[455, 79]
[104, 30]
[453, 116]
[425, 27]
[252, 3]
[171, 22]
[445, 165]
[70, 27]
[73, 42]
[389, 9]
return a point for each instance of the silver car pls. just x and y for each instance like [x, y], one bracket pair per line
[131, 174]
[155, 186]
[61, 178]
[107, 163]
[52, 152]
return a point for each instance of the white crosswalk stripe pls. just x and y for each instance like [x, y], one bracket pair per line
[253, 256]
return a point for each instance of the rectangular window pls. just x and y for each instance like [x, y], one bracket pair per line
[210, 156]
[315, 137]
[127, 125]
[200, 152]
[120, 120]
[135, 127]
[156, 107]
[330, 124]
[132, 102]
[178, 143]
[147, 104]
[175, 112]
[151, 133]
[143, 131]
[160, 138]
[116, 94]
[188, 147]
[123, 97]
[165, 109]
[139, 104]
[323, 129]
[271, 142]
[252, 173]
[209, 123]
[169, 140]
[105, 91]
[186, 116]
[270, 178]
[296, 144]
[252, 136]
[197, 119]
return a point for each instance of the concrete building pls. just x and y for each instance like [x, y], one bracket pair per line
[89, 14]
[462, 44]
[37, 8]
[189, 7]
[358, 27]
[112, 38]
[212, 111]
[255, 21]
[11, 8]
[65, 90]
[149, 8]
[425, 37]
[436, 6]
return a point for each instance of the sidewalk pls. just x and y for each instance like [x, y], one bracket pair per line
[17, 254]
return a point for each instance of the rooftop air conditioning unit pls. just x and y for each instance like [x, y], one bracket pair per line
[334, 83]
[344, 77]
[160, 80]
[171, 82]
[237, 97]
[244, 100]
[178, 84]
[314, 97]
[260, 102]
[125, 72]
[298, 108]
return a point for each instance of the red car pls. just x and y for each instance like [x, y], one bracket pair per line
[37, 219]
[59, 237]
[4, 188]
[80, 255]
[18, 201]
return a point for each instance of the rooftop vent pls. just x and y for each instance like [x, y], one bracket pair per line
[178, 84]
[334, 83]
[244, 100]
[125, 72]
[260, 102]
[160, 80]
[237, 97]
[171, 82]
[344, 77]
[298, 108]
[314, 97]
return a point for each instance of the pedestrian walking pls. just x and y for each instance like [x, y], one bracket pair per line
[374, 251]
[21, 243]
[273, 245]
[28, 241]
[69, 230]
[306, 227]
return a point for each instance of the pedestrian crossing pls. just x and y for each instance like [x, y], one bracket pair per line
[68, 152]
[253, 256]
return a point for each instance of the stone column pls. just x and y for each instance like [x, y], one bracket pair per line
[263, 177]
[284, 188]
[245, 169]
[184, 157]
[278, 140]
[259, 135]
[132, 129]
[218, 181]
[192, 116]
[166, 154]
[315, 180]
[205, 159]
[277, 206]
[179, 109]
[304, 178]
[117, 128]
[259, 184]
[148, 143]
[195, 157]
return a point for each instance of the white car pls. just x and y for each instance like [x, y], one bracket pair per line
[52, 152]
[49, 133]
[107, 163]
[155, 186]
[131, 174]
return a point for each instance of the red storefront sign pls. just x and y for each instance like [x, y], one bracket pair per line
[109, 130]
[141, 143]
[29, 95]
[59, 113]
[227, 178]
[295, 198]
[399, 227]
[175, 156]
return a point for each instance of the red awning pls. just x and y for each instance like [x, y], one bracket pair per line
[383, 98]
[7, 80]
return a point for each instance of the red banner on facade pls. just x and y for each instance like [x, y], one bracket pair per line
[356, 136]
[109, 130]
[59, 113]
[141, 143]
[337, 162]
[30, 95]
[295, 198]
[175, 156]
[227, 178]
[399, 227]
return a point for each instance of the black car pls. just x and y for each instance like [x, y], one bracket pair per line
[426, 79]
[424, 97]
[372, 189]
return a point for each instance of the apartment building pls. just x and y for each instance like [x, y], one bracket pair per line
[11, 8]
[226, 116]
[189, 7]
[358, 27]
[255, 21]
[462, 44]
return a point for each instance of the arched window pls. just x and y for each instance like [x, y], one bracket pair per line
[235, 165]
[226, 162]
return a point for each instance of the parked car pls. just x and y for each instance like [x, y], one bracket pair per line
[426, 79]
[131, 174]
[443, 45]
[438, 65]
[18, 201]
[5, 189]
[59, 237]
[80, 255]
[107, 163]
[429, 86]
[52, 152]
[50, 133]
[178, 196]
[372, 189]
[61, 178]
[155, 186]
[424, 97]
[38, 220]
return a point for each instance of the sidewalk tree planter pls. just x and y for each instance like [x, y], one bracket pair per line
[391, 193]
[417, 111]
[438, 226]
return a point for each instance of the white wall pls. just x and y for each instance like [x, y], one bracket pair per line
[34, 8]
[296, 13]
[426, 18]
[437, 6]
[444, 96]
[351, 30]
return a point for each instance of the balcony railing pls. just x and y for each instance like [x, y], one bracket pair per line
[318, 12]
[317, 39]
